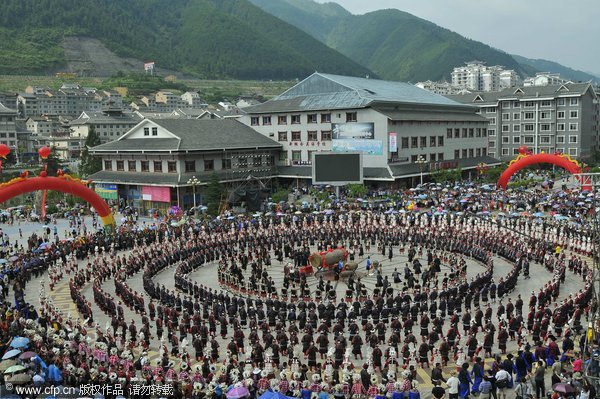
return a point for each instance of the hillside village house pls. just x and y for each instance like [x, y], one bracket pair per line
[150, 166]
[391, 123]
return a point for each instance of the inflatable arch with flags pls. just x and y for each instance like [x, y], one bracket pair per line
[527, 158]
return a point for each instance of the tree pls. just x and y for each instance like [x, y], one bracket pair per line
[214, 193]
[357, 190]
[90, 164]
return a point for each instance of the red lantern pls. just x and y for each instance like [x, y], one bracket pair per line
[44, 152]
[4, 150]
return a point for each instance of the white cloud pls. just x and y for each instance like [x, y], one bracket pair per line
[557, 30]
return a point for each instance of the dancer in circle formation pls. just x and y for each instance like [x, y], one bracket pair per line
[263, 337]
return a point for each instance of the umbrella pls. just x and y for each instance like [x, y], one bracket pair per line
[3, 261]
[539, 214]
[230, 217]
[298, 212]
[6, 364]
[19, 342]
[11, 353]
[13, 258]
[238, 392]
[19, 379]
[563, 387]
[14, 369]
[27, 355]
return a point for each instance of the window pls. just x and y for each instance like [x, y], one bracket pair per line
[266, 120]
[505, 151]
[413, 158]
[515, 151]
[155, 131]
[464, 133]
[311, 118]
[529, 127]
[505, 104]
[492, 121]
[190, 166]
[281, 136]
[449, 133]
[529, 115]
[573, 114]
[492, 132]
[505, 140]
[483, 132]
[478, 132]
[492, 143]
[516, 128]
[158, 166]
[560, 139]
[209, 165]
[573, 151]
[545, 115]
[146, 131]
[546, 103]
[172, 167]
[484, 151]
[440, 141]
[440, 156]
[145, 166]
[573, 126]
[505, 116]
[516, 116]
[505, 128]
[295, 119]
[107, 165]
[560, 150]
[528, 139]
[282, 120]
[560, 115]
[404, 142]
[456, 154]
[516, 104]
[270, 160]
[516, 139]
[529, 104]
[572, 139]
[478, 152]
[560, 127]
[325, 135]
[351, 117]
[456, 133]
[257, 161]
[312, 135]
[432, 157]
[490, 110]
[423, 141]
[254, 121]
[414, 142]
[560, 101]
[283, 156]
[545, 127]
[296, 136]
[120, 166]
[325, 118]
[464, 153]
[242, 163]
[296, 155]
[545, 139]
[432, 141]
[131, 166]
[226, 163]
[574, 101]
[471, 153]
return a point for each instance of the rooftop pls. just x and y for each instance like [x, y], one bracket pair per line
[5, 110]
[326, 91]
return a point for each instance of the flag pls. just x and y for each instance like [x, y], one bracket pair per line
[149, 66]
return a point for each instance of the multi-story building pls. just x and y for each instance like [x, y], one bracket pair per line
[109, 124]
[549, 118]
[70, 100]
[193, 99]
[442, 88]
[475, 75]
[8, 127]
[545, 79]
[391, 123]
[151, 166]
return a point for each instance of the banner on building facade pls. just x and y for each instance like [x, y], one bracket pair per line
[156, 194]
[393, 142]
[106, 191]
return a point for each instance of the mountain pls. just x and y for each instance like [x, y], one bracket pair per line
[554, 67]
[394, 44]
[202, 38]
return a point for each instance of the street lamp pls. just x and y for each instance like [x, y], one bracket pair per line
[421, 162]
[194, 182]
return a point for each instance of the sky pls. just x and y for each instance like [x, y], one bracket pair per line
[563, 31]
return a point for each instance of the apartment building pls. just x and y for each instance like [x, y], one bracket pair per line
[552, 118]
[475, 75]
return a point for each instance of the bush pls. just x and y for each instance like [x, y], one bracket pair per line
[280, 195]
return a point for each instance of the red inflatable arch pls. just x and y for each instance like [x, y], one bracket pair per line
[525, 159]
[64, 184]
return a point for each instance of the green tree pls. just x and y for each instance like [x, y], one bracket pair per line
[90, 164]
[357, 190]
[214, 194]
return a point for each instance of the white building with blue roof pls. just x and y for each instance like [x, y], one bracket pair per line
[391, 123]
